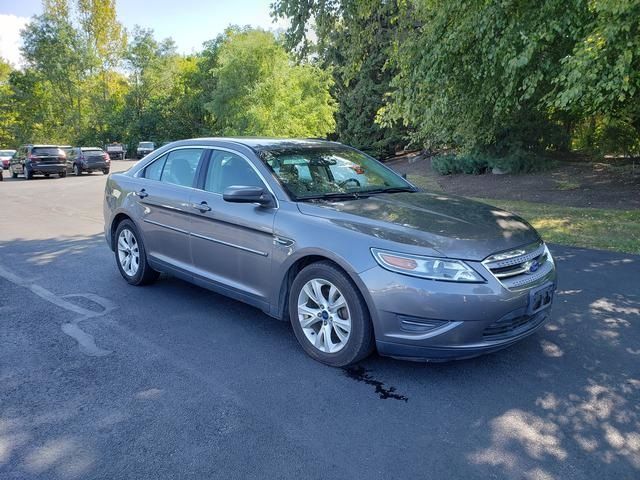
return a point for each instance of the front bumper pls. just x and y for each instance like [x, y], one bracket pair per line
[423, 319]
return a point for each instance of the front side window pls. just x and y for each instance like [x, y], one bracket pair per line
[227, 169]
[316, 171]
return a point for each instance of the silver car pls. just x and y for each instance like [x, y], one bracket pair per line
[353, 265]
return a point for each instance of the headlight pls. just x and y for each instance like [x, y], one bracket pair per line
[432, 268]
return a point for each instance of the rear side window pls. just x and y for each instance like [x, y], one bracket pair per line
[153, 171]
[180, 167]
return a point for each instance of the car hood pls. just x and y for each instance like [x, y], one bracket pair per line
[452, 226]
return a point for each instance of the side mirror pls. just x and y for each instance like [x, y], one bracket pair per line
[245, 194]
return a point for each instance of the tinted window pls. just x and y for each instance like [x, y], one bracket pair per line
[180, 167]
[227, 169]
[145, 145]
[154, 170]
[94, 152]
[46, 151]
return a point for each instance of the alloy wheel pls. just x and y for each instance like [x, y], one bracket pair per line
[324, 315]
[128, 252]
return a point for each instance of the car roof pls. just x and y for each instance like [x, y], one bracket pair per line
[42, 146]
[267, 143]
[90, 148]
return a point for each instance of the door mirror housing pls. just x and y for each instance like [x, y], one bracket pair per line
[246, 194]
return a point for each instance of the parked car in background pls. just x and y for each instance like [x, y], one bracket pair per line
[5, 158]
[144, 148]
[88, 159]
[31, 160]
[115, 151]
[279, 224]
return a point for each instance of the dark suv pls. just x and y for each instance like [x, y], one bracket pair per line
[32, 160]
[88, 159]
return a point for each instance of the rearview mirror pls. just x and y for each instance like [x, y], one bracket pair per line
[245, 194]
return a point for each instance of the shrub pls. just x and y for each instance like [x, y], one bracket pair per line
[449, 164]
[518, 161]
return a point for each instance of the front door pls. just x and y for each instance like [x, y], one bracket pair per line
[163, 195]
[231, 243]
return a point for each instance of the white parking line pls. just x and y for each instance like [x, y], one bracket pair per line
[86, 342]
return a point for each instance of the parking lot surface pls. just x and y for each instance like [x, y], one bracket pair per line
[99, 379]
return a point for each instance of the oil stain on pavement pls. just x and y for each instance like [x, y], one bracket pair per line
[360, 374]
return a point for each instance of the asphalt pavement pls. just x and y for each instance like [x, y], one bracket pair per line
[101, 380]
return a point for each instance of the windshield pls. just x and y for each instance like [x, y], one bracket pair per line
[145, 145]
[314, 172]
[7, 153]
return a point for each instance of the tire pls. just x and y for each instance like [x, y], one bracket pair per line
[47, 175]
[76, 170]
[26, 173]
[105, 171]
[13, 174]
[359, 340]
[62, 174]
[144, 274]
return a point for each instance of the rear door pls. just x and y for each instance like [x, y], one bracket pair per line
[163, 195]
[232, 243]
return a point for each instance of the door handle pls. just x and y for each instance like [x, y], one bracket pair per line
[142, 193]
[202, 207]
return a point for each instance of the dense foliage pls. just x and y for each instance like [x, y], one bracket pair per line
[502, 82]
[496, 79]
[90, 82]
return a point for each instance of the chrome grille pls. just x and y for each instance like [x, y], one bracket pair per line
[513, 268]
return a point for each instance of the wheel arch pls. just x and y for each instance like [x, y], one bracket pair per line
[295, 265]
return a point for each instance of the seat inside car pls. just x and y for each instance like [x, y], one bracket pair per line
[236, 171]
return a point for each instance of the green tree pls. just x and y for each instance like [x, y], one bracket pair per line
[7, 108]
[260, 91]
[354, 38]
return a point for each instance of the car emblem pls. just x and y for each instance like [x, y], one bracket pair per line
[532, 266]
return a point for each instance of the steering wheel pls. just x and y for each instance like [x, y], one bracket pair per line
[354, 180]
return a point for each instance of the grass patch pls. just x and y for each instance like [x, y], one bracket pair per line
[617, 230]
[427, 183]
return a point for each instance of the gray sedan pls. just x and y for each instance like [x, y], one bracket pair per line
[326, 237]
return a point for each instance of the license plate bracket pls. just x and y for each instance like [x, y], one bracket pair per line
[541, 298]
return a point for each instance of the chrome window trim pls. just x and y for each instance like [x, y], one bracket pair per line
[140, 169]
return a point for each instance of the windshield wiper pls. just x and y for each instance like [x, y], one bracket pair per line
[334, 195]
[389, 190]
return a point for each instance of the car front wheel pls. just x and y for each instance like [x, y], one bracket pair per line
[329, 316]
[131, 256]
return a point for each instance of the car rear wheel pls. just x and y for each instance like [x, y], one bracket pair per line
[62, 174]
[329, 316]
[13, 173]
[131, 256]
[105, 171]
